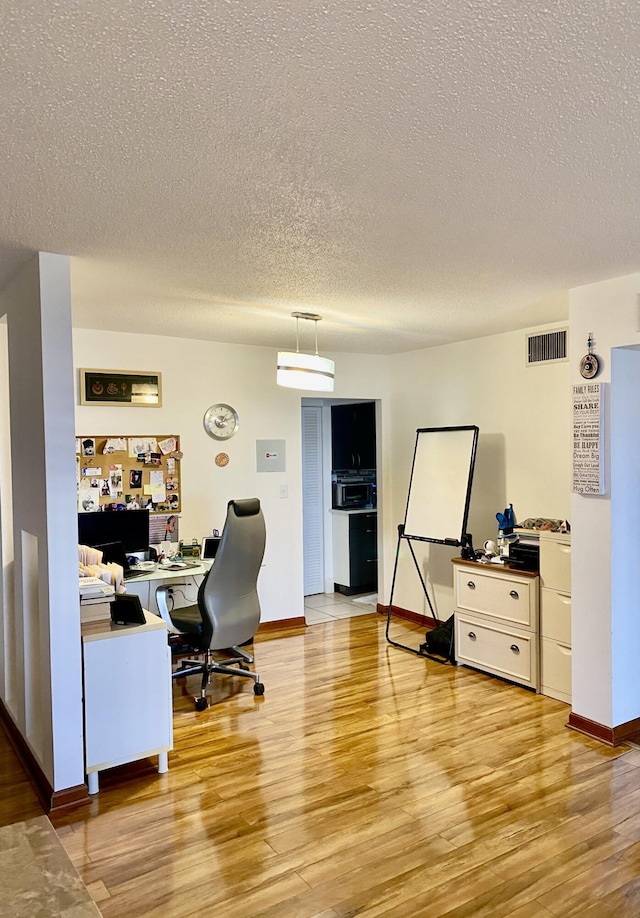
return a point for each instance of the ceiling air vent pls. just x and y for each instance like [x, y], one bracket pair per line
[547, 347]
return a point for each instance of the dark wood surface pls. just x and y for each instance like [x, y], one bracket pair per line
[18, 798]
[487, 566]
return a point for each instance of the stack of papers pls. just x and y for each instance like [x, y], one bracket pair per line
[93, 588]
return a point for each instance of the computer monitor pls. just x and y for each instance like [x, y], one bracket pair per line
[210, 547]
[130, 527]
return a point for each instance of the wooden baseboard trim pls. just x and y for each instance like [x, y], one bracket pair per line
[612, 736]
[52, 801]
[417, 618]
[283, 625]
[69, 797]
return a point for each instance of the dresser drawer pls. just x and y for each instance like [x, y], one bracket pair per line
[505, 652]
[555, 670]
[502, 596]
[555, 564]
[555, 616]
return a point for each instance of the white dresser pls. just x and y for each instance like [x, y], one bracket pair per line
[496, 619]
[555, 615]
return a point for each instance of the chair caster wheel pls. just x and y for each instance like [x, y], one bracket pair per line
[258, 688]
[201, 704]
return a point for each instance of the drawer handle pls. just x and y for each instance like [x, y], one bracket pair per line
[471, 584]
[515, 648]
[514, 594]
[472, 635]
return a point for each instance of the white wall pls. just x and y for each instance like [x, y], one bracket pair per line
[195, 375]
[605, 611]
[523, 449]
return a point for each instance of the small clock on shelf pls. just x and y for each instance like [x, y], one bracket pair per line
[221, 421]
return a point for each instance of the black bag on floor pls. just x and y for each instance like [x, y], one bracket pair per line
[440, 642]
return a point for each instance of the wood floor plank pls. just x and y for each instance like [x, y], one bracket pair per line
[18, 799]
[365, 782]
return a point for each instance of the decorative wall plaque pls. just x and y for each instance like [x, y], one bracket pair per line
[588, 439]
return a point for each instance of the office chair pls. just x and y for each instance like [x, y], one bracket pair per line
[228, 609]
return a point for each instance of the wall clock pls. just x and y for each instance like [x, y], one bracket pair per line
[589, 365]
[221, 421]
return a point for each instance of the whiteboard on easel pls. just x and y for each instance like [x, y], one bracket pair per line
[440, 484]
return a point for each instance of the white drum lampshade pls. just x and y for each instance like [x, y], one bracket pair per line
[305, 371]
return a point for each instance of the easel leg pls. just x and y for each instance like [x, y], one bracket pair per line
[393, 584]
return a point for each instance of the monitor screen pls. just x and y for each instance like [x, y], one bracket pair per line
[131, 527]
[210, 547]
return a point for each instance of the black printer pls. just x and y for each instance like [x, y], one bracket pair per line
[525, 552]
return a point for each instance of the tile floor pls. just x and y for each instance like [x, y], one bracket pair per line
[329, 607]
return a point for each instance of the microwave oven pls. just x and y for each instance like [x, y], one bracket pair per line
[353, 494]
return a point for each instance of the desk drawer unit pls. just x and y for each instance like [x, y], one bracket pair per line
[499, 594]
[510, 653]
[555, 666]
[555, 561]
[496, 618]
[555, 615]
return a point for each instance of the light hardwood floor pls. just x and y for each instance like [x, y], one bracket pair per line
[366, 782]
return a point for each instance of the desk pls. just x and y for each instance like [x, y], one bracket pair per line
[127, 694]
[145, 587]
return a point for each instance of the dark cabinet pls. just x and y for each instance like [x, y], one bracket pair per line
[359, 569]
[353, 437]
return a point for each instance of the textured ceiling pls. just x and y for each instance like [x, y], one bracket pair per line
[416, 171]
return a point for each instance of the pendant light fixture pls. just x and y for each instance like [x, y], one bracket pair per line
[298, 370]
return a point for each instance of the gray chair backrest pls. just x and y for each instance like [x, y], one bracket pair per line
[228, 598]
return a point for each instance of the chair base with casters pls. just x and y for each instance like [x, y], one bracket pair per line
[234, 666]
[187, 626]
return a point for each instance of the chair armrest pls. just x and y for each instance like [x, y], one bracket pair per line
[162, 601]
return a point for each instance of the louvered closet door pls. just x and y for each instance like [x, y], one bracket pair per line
[312, 514]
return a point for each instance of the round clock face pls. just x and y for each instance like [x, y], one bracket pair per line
[589, 366]
[221, 421]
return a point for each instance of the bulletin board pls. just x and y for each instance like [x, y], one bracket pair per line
[133, 472]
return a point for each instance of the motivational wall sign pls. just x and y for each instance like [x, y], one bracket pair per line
[588, 440]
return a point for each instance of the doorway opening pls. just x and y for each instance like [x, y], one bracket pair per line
[339, 500]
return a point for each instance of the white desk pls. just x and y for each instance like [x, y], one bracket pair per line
[145, 587]
[127, 695]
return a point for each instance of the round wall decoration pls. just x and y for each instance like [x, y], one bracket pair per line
[589, 365]
[222, 459]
